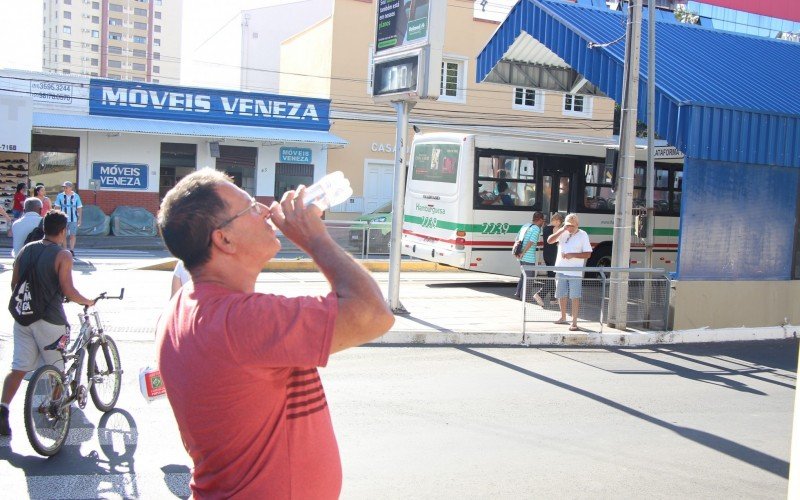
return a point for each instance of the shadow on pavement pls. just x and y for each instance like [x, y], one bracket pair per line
[177, 478]
[735, 450]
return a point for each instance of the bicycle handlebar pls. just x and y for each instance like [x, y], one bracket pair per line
[105, 295]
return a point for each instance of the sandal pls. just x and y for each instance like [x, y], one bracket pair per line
[573, 328]
[561, 322]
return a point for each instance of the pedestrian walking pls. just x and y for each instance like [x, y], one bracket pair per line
[40, 192]
[51, 266]
[528, 255]
[23, 226]
[549, 254]
[573, 250]
[240, 367]
[70, 203]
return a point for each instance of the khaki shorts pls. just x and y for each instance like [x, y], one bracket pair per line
[29, 344]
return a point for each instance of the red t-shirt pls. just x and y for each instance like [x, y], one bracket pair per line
[241, 377]
[19, 200]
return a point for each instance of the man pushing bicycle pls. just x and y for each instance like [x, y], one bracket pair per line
[49, 265]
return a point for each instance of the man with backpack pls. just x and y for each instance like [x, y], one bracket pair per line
[42, 277]
[25, 225]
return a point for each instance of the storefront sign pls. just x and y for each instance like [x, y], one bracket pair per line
[379, 147]
[666, 152]
[16, 120]
[163, 102]
[125, 176]
[295, 155]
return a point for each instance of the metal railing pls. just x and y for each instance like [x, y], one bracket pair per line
[648, 295]
[362, 239]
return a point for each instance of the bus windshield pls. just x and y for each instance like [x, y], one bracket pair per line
[436, 162]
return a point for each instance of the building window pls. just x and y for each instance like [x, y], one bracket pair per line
[156, 69]
[157, 42]
[577, 105]
[114, 50]
[67, 2]
[158, 2]
[140, 12]
[139, 53]
[113, 7]
[94, 62]
[95, 48]
[67, 14]
[155, 80]
[66, 44]
[138, 66]
[156, 56]
[113, 21]
[137, 79]
[528, 99]
[114, 36]
[66, 58]
[95, 34]
[67, 30]
[157, 15]
[95, 19]
[139, 26]
[115, 77]
[157, 28]
[65, 71]
[139, 39]
[114, 64]
[452, 82]
[96, 5]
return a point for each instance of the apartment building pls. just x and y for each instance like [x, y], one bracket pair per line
[136, 40]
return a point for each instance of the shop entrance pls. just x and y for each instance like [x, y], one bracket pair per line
[239, 162]
[177, 161]
[290, 175]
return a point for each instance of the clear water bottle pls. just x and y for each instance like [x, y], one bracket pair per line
[329, 191]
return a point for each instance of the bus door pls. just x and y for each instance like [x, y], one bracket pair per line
[556, 191]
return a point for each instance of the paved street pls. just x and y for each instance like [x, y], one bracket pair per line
[455, 422]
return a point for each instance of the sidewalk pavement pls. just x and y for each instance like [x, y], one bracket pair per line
[468, 315]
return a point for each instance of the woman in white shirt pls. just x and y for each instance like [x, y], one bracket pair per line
[179, 277]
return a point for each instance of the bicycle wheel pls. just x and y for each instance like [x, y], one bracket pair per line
[46, 423]
[105, 372]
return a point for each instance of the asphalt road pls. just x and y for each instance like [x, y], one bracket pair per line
[707, 421]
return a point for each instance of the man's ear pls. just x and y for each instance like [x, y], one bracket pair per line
[221, 242]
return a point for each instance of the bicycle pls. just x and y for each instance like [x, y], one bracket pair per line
[51, 392]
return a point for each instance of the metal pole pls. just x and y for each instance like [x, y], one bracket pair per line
[620, 255]
[651, 169]
[403, 109]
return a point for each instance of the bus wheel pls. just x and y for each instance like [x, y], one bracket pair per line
[601, 257]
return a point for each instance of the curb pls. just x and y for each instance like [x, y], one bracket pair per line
[307, 265]
[515, 339]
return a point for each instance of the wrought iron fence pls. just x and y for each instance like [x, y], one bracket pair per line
[548, 297]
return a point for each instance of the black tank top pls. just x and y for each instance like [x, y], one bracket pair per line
[46, 278]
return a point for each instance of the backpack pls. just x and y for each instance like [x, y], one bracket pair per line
[27, 303]
[37, 233]
[516, 250]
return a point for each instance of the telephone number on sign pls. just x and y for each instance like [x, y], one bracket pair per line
[8, 147]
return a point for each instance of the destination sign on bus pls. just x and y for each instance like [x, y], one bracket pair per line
[436, 162]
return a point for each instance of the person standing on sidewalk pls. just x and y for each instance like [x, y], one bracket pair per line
[70, 203]
[23, 226]
[40, 192]
[550, 254]
[53, 269]
[19, 199]
[573, 250]
[240, 367]
[528, 256]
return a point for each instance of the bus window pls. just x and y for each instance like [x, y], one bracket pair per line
[435, 162]
[598, 193]
[677, 183]
[505, 181]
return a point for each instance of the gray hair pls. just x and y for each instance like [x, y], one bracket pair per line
[557, 215]
[32, 205]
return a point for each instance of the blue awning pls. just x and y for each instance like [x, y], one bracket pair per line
[719, 96]
[184, 129]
